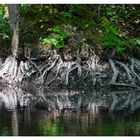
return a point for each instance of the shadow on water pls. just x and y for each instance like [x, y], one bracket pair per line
[40, 112]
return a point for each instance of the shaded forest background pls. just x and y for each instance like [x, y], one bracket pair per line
[104, 28]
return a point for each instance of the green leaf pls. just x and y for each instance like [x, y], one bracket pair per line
[47, 41]
[138, 41]
[54, 41]
[66, 14]
[120, 49]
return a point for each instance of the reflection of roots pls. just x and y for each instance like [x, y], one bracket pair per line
[13, 97]
[123, 100]
[71, 100]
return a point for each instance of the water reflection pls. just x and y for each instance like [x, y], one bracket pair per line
[36, 122]
[11, 97]
[91, 101]
[78, 124]
[40, 112]
[14, 121]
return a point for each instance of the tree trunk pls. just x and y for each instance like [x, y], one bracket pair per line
[13, 10]
[12, 71]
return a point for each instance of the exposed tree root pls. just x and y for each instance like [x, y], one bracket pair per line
[123, 85]
[115, 71]
[12, 72]
[131, 74]
[57, 72]
[43, 75]
[114, 103]
[126, 102]
[135, 64]
[77, 66]
[54, 68]
[126, 69]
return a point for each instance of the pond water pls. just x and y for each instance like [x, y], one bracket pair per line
[35, 121]
[40, 123]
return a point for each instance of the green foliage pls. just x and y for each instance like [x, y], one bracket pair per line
[53, 128]
[137, 41]
[66, 14]
[111, 38]
[24, 8]
[4, 26]
[56, 37]
[134, 41]
[5, 132]
[69, 12]
[87, 23]
[125, 16]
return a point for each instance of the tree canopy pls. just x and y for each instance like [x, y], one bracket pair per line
[113, 26]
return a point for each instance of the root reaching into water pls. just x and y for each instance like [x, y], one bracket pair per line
[54, 68]
[133, 66]
[126, 69]
[12, 72]
[131, 73]
[114, 103]
[70, 69]
[57, 71]
[115, 71]
[47, 69]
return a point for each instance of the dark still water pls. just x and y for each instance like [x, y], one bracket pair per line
[41, 123]
[39, 112]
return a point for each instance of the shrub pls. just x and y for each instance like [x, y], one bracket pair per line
[56, 37]
[111, 38]
[4, 26]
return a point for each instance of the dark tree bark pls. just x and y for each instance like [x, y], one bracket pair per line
[13, 10]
